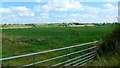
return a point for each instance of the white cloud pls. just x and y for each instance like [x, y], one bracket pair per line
[38, 0]
[76, 17]
[20, 8]
[15, 14]
[92, 9]
[60, 5]
[44, 8]
[22, 11]
[26, 14]
[13, 19]
[110, 8]
[44, 16]
[91, 14]
[83, 16]
[108, 5]
[4, 10]
[67, 5]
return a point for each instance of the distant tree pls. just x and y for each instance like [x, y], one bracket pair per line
[103, 24]
[65, 24]
[33, 25]
[3, 25]
[96, 24]
[76, 23]
[70, 24]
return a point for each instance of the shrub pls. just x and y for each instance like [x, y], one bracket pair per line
[110, 44]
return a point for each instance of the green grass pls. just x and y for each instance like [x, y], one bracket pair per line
[104, 61]
[29, 40]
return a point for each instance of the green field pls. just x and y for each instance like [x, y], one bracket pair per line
[29, 40]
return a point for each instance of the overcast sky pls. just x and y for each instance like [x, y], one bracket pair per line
[56, 11]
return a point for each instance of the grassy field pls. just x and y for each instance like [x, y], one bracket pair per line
[29, 40]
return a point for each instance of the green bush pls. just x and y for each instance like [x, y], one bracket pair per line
[110, 44]
[108, 51]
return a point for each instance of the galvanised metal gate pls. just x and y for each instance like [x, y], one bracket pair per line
[78, 60]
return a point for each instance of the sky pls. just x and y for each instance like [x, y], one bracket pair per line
[58, 11]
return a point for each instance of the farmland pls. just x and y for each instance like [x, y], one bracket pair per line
[28, 40]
